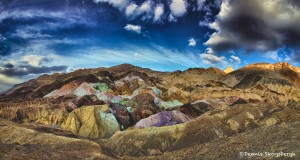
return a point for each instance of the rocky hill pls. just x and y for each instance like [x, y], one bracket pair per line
[131, 112]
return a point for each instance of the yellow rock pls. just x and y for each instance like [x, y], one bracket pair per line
[91, 122]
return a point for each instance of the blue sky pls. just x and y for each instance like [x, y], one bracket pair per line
[45, 36]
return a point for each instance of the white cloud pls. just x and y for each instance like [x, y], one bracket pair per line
[273, 55]
[131, 10]
[134, 28]
[158, 13]
[235, 59]
[20, 64]
[178, 7]
[146, 7]
[148, 10]
[205, 22]
[192, 42]
[277, 56]
[211, 59]
[209, 51]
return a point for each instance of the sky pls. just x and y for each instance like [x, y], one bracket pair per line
[46, 36]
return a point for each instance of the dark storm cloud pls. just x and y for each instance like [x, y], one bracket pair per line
[256, 25]
[8, 65]
[23, 70]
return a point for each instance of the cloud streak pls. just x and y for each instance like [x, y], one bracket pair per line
[155, 57]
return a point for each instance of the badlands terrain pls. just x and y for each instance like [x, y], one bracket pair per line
[128, 112]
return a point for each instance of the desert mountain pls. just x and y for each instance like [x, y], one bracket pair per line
[264, 73]
[228, 70]
[131, 112]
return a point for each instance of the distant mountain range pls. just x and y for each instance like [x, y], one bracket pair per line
[246, 77]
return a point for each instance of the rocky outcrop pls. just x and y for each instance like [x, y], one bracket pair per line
[73, 88]
[123, 116]
[92, 122]
[88, 100]
[44, 111]
[142, 106]
[165, 118]
[195, 109]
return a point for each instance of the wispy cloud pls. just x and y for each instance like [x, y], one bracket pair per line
[71, 16]
[159, 57]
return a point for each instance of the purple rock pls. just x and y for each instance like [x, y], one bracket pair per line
[165, 118]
